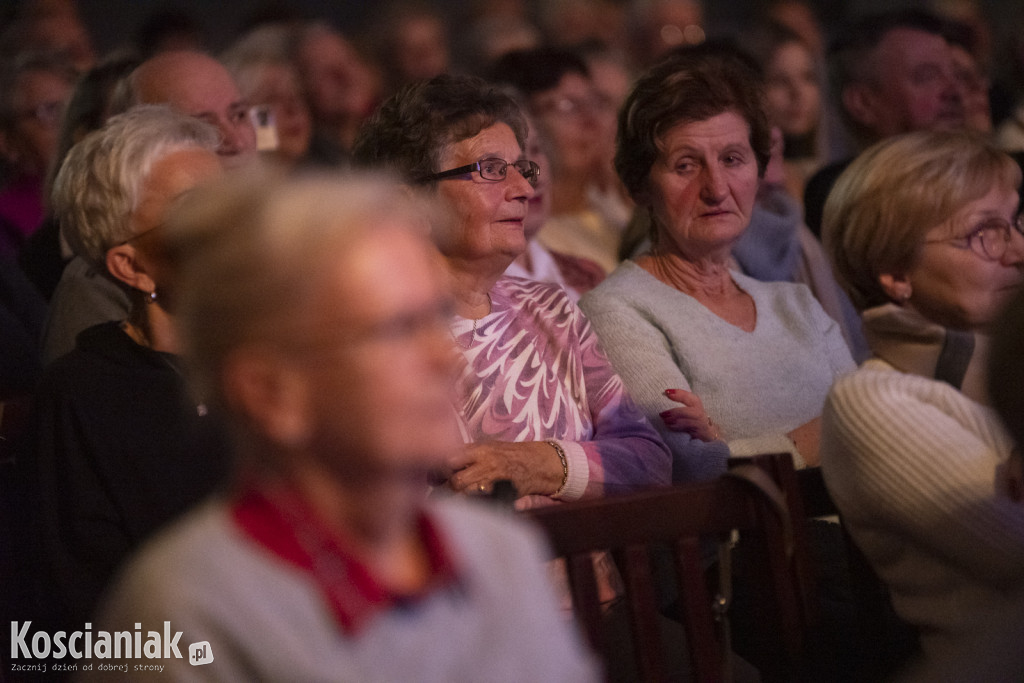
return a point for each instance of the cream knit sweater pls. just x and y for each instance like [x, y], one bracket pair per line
[916, 469]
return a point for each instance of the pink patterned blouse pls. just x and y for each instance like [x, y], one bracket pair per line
[534, 371]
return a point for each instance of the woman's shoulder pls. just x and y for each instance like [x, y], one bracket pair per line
[103, 353]
[627, 286]
[879, 388]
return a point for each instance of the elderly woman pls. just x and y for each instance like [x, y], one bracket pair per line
[925, 233]
[540, 404]
[329, 562]
[693, 141]
[121, 448]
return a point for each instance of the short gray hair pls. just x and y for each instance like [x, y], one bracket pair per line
[97, 189]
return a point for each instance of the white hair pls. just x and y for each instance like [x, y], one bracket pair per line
[97, 189]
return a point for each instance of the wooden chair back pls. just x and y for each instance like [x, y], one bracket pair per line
[686, 518]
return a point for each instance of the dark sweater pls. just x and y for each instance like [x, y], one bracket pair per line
[121, 451]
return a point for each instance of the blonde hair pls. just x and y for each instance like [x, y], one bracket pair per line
[250, 253]
[892, 195]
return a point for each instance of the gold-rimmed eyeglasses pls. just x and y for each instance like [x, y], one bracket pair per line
[989, 239]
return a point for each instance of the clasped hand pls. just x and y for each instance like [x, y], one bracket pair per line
[533, 467]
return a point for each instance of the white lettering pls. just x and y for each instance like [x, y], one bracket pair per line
[152, 647]
[103, 646]
[170, 644]
[58, 644]
[18, 640]
[44, 649]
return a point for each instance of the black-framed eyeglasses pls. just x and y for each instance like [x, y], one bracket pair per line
[988, 240]
[494, 170]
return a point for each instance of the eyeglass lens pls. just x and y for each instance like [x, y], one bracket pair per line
[497, 169]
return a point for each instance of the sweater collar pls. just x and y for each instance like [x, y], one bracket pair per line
[286, 526]
[913, 344]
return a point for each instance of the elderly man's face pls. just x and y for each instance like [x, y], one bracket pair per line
[913, 86]
[200, 86]
[379, 363]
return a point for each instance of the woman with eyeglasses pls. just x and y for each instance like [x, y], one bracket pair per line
[925, 235]
[539, 402]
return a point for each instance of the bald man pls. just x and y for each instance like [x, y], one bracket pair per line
[200, 86]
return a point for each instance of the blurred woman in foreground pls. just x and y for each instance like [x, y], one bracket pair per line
[329, 562]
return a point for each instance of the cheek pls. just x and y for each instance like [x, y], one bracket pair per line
[675, 202]
[745, 190]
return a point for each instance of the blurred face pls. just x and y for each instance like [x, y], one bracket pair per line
[957, 287]
[39, 103]
[199, 86]
[63, 32]
[702, 187]
[382, 393]
[169, 178]
[571, 117]
[421, 49]
[539, 205]
[914, 85]
[793, 93]
[488, 216]
[278, 88]
[974, 89]
[339, 85]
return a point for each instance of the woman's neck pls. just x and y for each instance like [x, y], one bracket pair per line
[708, 281]
[151, 326]
[378, 515]
[706, 278]
[471, 287]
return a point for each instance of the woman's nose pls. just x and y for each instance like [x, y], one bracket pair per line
[518, 187]
[714, 186]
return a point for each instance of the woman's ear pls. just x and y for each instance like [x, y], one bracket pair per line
[896, 287]
[124, 263]
[859, 103]
[269, 393]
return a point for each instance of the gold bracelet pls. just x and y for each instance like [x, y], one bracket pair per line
[565, 464]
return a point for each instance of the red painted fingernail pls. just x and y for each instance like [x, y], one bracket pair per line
[670, 392]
